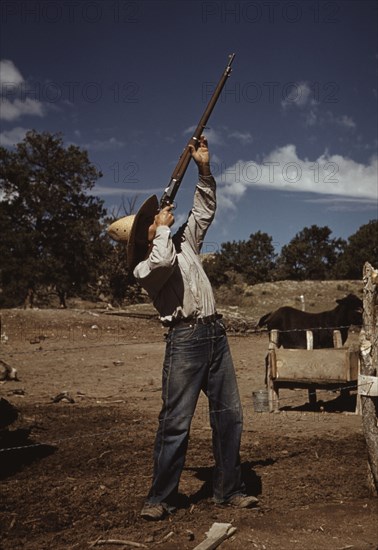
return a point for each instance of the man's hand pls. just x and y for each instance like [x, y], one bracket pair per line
[165, 216]
[201, 156]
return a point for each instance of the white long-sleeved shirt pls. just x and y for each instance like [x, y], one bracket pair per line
[172, 274]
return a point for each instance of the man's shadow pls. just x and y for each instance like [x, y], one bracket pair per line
[251, 480]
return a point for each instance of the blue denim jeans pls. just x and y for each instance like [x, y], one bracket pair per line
[197, 358]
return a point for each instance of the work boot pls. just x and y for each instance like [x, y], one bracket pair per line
[152, 511]
[242, 501]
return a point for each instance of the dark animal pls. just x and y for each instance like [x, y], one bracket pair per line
[292, 323]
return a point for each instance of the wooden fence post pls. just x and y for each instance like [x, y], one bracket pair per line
[369, 368]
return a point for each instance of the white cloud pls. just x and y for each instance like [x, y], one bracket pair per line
[212, 136]
[301, 96]
[12, 110]
[345, 121]
[13, 136]
[344, 204]
[9, 74]
[298, 95]
[282, 169]
[244, 137]
[313, 117]
[11, 81]
[216, 137]
[104, 145]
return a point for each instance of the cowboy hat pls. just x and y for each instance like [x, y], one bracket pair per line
[125, 229]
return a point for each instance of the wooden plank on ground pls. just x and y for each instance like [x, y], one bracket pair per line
[217, 533]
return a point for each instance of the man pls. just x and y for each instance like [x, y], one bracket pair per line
[197, 354]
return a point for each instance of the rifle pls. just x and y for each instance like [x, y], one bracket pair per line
[184, 160]
[121, 229]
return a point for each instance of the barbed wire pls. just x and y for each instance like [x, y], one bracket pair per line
[247, 332]
[62, 440]
[56, 442]
[229, 325]
[78, 348]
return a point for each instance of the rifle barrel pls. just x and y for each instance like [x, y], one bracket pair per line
[184, 160]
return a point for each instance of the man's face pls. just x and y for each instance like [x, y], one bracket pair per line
[146, 231]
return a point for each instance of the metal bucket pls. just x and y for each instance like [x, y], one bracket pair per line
[260, 400]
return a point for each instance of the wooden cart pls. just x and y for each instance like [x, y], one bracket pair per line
[311, 369]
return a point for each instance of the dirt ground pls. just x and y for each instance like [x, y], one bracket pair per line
[75, 467]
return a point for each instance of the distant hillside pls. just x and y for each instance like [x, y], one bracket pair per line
[243, 305]
[256, 300]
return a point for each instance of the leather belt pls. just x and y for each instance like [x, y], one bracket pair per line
[194, 320]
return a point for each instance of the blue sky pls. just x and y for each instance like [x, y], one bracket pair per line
[293, 137]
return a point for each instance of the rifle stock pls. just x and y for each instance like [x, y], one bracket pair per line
[184, 160]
